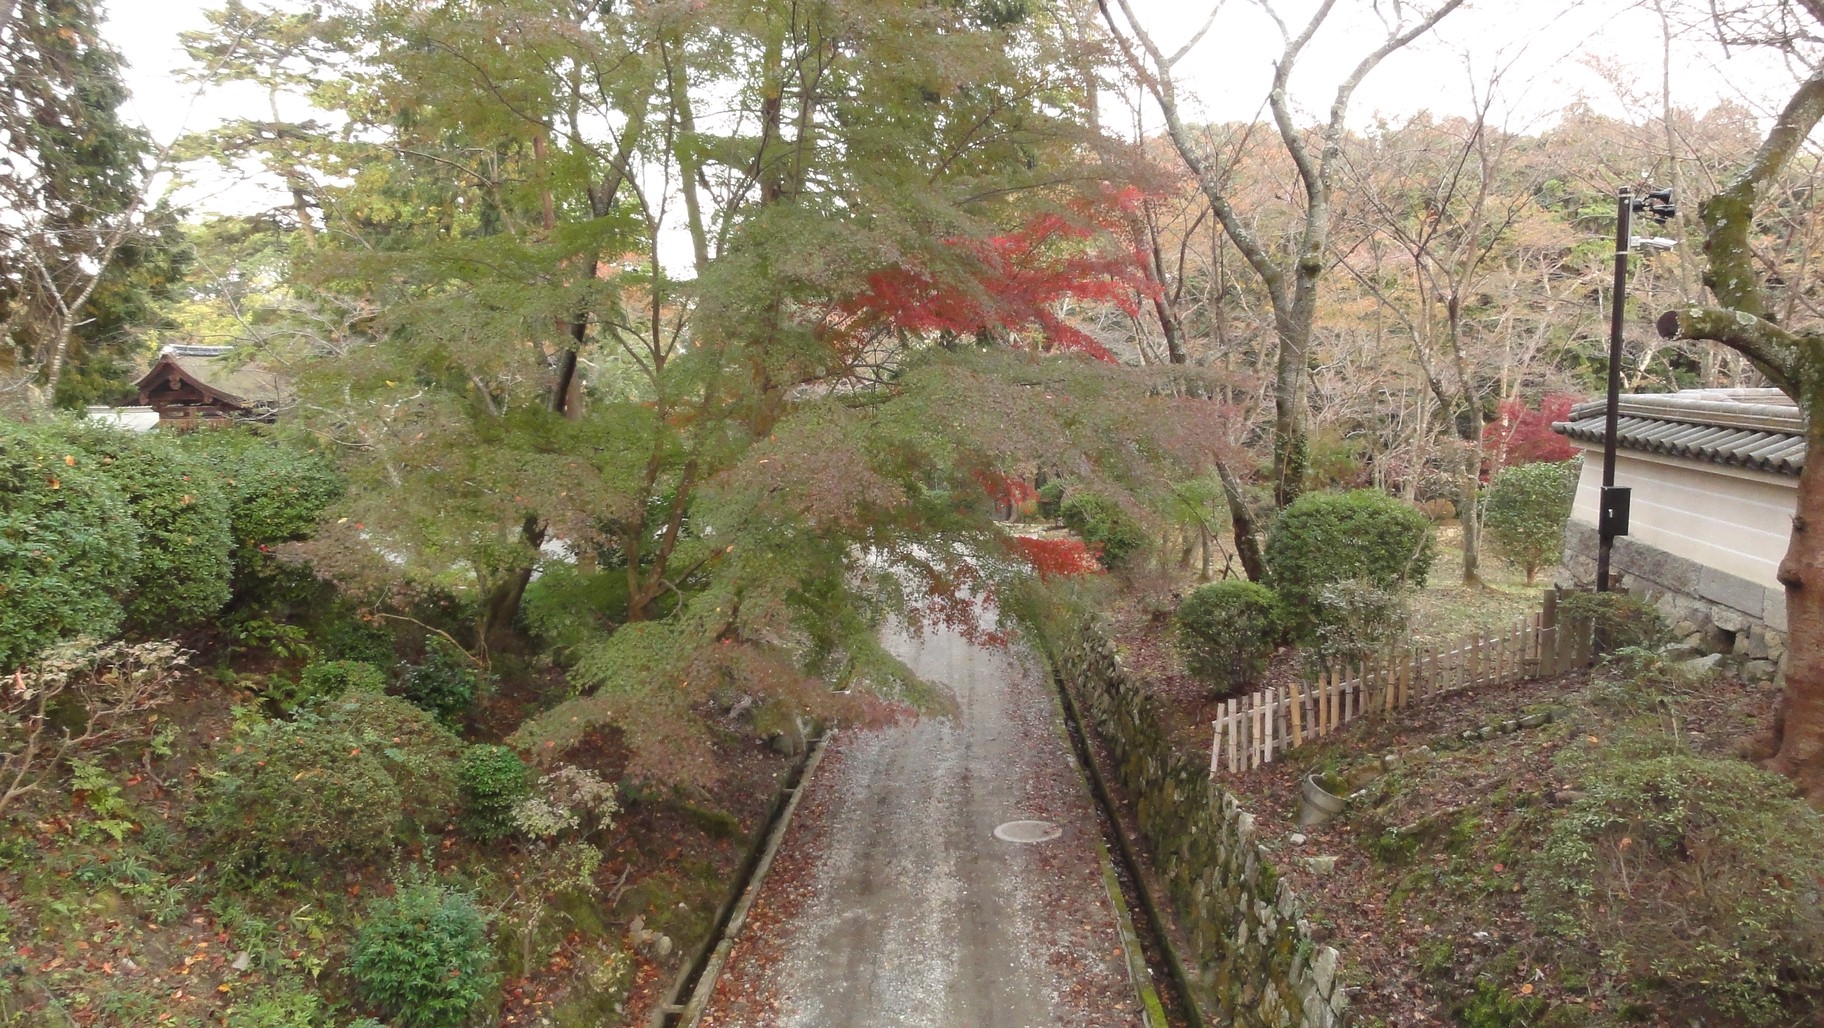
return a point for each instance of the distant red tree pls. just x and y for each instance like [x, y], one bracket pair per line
[1009, 494]
[1013, 283]
[1523, 435]
[1052, 557]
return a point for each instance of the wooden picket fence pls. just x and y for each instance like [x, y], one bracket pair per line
[1255, 729]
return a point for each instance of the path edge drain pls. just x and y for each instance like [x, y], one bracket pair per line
[691, 992]
[1123, 851]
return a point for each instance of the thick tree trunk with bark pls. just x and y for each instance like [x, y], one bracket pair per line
[1795, 363]
[1799, 728]
[500, 610]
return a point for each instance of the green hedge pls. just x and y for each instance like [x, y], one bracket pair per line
[182, 575]
[277, 490]
[68, 543]
[1324, 539]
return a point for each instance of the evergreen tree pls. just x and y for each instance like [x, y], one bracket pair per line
[76, 266]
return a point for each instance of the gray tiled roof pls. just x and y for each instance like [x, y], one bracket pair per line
[1757, 429]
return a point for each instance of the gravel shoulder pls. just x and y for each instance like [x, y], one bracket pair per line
[893, 904]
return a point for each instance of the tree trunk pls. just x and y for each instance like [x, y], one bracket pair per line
[1470, 488]
[501, 610]
[1799, 725]
[499, 634]
[1247, 532]
[1291, 451]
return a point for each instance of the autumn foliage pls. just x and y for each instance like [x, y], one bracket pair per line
[1006, 492]
[1015, 282]
[1054, 557]
[1523, 435]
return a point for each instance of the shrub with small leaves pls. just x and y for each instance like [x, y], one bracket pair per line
[345, 782]
[1105, 525]
[444, 684]
[1528, 505]
[420, 754]
[326, 680]
[423, 957]
[1354, 620]
[493, 780]
[1227, 631]
[182, 573]
[277, 490]
[292, 796]
[1618, 620]
[1322, 539]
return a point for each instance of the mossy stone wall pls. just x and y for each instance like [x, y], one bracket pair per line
[1255, 961]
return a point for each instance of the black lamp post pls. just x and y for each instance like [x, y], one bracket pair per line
[1612, 519]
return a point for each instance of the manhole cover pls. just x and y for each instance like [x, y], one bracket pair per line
[1028, 831]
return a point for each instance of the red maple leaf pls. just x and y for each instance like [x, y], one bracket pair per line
[1014, 284]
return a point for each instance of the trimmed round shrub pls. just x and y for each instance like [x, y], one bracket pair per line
[68, 543]
[420, 754]
[443, 684]
[1527, 507]
[182, 574]
[1227, 631]
[423, 957]
[1322, 539]
[492, 780]
[1103, 524]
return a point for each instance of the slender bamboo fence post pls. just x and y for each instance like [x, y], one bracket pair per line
[1229, 708]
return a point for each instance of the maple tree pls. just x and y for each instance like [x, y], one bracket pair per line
[1523, 435]
[1015, 283]
[687, 372]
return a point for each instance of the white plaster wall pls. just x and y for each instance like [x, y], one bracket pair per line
[1730, 519]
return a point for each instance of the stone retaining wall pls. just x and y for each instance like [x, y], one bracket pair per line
[1255, 961]
[1709, 610]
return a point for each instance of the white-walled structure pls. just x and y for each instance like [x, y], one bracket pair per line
[1715, 477]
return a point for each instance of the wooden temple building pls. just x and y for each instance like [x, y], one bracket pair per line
[197, 387]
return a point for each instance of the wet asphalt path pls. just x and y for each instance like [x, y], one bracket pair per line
[893, 904]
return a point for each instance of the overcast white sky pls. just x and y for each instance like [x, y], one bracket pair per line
[1549, 47]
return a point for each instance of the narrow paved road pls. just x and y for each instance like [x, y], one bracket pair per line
[893, 904]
